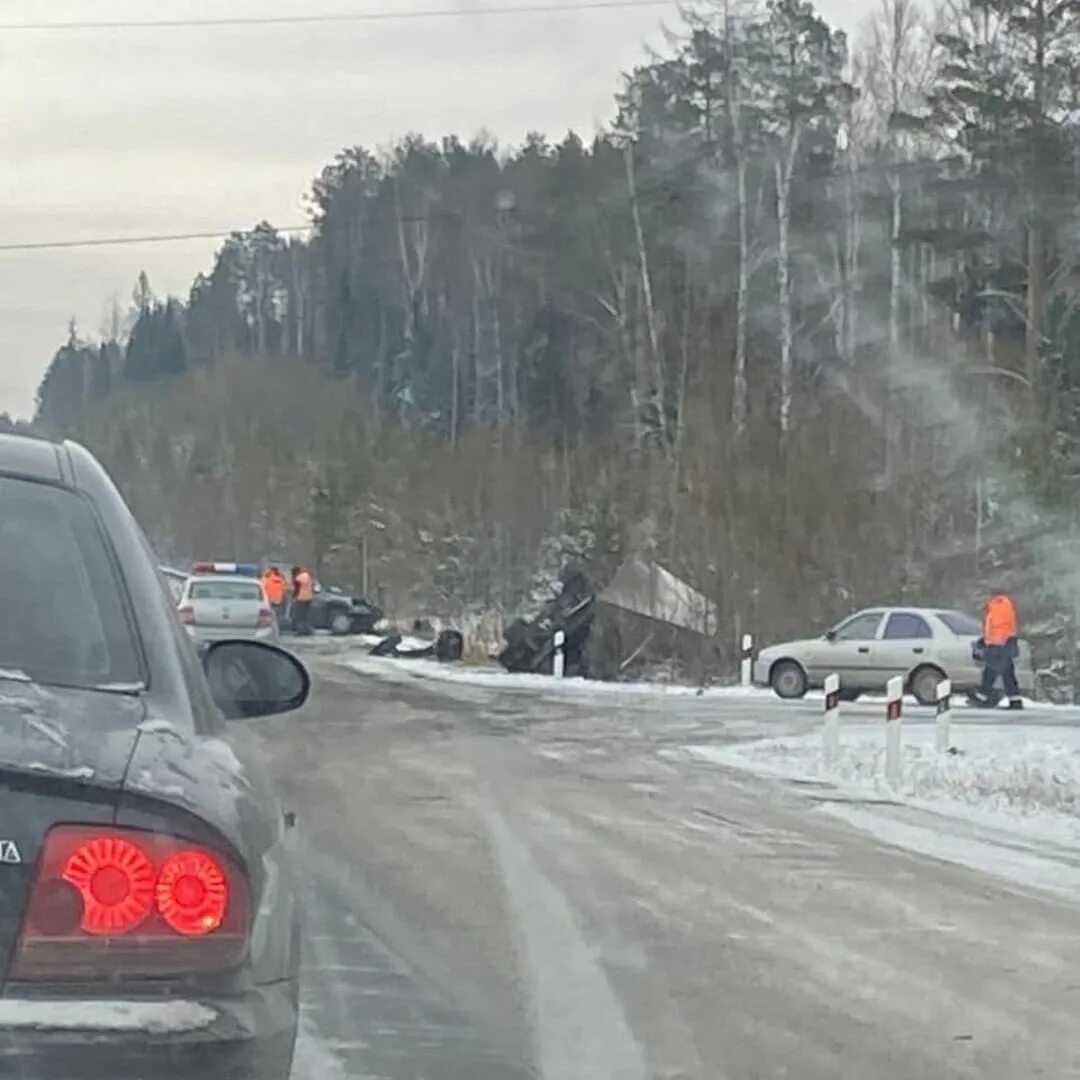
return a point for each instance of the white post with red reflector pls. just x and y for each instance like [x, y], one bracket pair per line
[558, 662]
[746, 660]
[832, 719]
[894, 707]
[944, 716]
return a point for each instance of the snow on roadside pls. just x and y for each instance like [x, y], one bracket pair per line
[356, 656]
[497, 678]
[1007, 804]
[1022, 779]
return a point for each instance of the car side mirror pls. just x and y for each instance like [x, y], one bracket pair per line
[250, 678]
[830, 635]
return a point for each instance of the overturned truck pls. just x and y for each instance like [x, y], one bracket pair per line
[530, 643]
[644, 618]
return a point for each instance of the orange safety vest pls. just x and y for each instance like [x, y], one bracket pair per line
[999, 621]
[274, 584]
[305, 589]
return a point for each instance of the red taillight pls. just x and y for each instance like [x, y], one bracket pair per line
[116, 882]
[192, 893]
[111, 902]
[187, 615]
[266, 617]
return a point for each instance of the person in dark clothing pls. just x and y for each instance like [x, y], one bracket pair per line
[303, 594]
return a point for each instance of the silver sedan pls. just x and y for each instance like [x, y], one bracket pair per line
[922, 645]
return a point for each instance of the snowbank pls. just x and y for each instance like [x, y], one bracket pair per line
[1025, 776]
[1007, 802]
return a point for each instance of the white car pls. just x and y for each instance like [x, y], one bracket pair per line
[922, 645]
[214, 607]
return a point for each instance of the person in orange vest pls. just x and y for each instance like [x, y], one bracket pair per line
[1000, 646]
[275, 587]
[303, 594]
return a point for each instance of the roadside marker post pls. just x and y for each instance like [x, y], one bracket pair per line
[558, 662]
[944, 716]
[832, 719]
[894, 698]
[746, 660]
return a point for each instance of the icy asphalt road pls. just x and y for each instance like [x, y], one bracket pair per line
[503, 885]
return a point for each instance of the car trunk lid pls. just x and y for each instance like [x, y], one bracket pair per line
[225, 606]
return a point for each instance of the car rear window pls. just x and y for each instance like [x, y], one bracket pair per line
[63, 619]
[961, 624]
[225, 590]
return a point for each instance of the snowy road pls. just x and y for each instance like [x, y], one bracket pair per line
[502, 884]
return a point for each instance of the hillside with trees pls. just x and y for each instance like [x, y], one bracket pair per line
[802, 322]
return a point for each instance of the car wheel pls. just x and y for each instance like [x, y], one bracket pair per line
[924, 684]
[788, 679]
[340, 623]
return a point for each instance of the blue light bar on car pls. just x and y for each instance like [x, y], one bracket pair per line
[242, 569]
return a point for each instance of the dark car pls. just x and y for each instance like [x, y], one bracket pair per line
[334, 610]
[148, 919]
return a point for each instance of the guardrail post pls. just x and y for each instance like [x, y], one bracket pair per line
[832, 719]
[558, 661]
[894, 698]
[746, 660]
[944, 716]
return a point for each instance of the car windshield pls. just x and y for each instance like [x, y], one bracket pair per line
[961, 624]
[64, 621]
[225, 590]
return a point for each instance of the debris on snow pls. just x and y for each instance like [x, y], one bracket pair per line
[448, 646]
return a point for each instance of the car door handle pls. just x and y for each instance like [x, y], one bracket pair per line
[864, 648]
[918, 649]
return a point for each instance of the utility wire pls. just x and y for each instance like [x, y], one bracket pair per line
[343, 17]
[154, 238]
[214, 234]
[658, 186]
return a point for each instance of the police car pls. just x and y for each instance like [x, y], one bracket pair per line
[225, 601]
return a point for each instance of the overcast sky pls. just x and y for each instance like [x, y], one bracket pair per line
[129, 132]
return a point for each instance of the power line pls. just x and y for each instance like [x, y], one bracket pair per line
[213, 234]
[657, 187]
[153, 238]
[344, 17]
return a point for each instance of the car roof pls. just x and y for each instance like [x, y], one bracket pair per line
[888, 609]
[33, 459]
